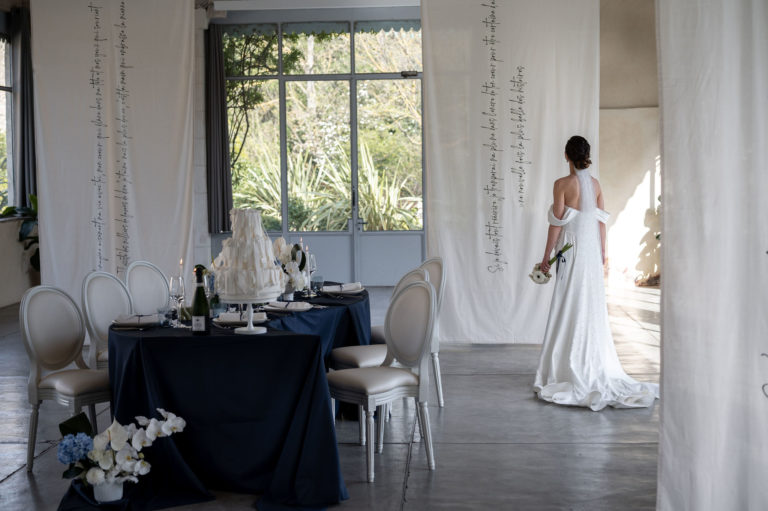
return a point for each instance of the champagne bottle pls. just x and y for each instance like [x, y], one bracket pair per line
[201, 321]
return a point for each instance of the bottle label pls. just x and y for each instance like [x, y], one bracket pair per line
[198, 323]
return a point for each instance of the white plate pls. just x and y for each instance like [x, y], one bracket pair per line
[294, 307]
[238, 323]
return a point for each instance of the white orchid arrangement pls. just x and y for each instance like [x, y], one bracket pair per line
[114, 455]
[293, 260]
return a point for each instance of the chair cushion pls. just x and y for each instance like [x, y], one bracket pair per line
[358, 356]
[371, 380]
[377, 334]
[73, 382]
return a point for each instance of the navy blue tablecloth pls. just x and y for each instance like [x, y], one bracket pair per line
[345, 322]
[257, 410]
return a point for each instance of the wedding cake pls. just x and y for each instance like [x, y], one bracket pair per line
[245, 269]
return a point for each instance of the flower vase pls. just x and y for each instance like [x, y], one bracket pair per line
[108, 492]
[288, 293]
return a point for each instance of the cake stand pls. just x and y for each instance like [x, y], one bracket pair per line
[263, 297]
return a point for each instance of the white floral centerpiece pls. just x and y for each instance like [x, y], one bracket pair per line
[114, 456]
[293, 260]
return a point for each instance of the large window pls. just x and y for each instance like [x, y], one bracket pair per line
[325, 122]
[6, 123]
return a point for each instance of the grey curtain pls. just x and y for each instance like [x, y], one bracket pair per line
[219, 175]
[25, 182]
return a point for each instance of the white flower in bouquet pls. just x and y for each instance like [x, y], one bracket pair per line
[102, 457]
[291, 267]
[142, 468]
[278, 246]
[126, 458]
[293, 260]
[118, 436]
[95, 476]
[100, 441]
[117, 475]
[173, 424]
[140, 440]
[540, 277]
[298, 282]
[283, 251]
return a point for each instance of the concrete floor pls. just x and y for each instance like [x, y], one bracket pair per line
[496, 446]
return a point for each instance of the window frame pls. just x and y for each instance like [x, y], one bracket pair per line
[10, 123]
[352, 78]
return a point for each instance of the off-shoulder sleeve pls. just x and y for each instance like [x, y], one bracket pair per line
[568, 215]
[602, 215]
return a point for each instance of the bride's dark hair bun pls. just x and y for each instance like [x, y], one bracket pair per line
[577, 150]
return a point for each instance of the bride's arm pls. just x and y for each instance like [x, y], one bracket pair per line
[601, 224]
[558, 208]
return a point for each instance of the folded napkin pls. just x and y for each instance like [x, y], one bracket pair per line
[343, 288]
[137, 320]
[288, 306]
[234, 317]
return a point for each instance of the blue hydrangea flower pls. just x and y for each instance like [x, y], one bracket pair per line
[73, 448]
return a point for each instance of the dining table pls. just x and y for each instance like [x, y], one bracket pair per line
[257, 408]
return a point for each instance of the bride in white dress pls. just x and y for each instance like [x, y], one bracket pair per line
[579, 365]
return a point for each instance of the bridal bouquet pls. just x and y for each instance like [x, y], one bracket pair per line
[293, 260]
[114, 455]
[538, 276]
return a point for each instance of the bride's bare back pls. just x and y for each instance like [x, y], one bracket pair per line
[567, 193]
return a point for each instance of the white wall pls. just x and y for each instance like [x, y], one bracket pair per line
[630, 179]
[14, 263]
[629, 136]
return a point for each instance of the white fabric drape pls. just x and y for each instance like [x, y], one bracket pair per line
[114, 111]
[714, 105]
[491, 159]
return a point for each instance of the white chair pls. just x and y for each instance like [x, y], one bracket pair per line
[437, 277]
[408, 332]
[373, 355]
[53, 335]
[434, 266]
[105, 297]
[349, 357]
[148, 287]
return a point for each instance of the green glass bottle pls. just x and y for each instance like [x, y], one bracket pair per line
[201, 318]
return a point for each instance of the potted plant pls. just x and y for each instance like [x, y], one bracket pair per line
[114, 456]
[28, 229]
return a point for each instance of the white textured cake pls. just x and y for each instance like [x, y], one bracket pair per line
[245, 269]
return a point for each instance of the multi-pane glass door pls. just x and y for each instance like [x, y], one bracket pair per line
[326, 138]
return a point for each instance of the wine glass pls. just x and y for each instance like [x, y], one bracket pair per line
[176, 288]
[209, 282]
[312, 265]
[317, 283]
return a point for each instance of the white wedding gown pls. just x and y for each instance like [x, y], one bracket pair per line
[579, 365]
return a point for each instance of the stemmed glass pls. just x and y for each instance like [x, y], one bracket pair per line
[208, 285]
[312, 265]
[176, 288]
